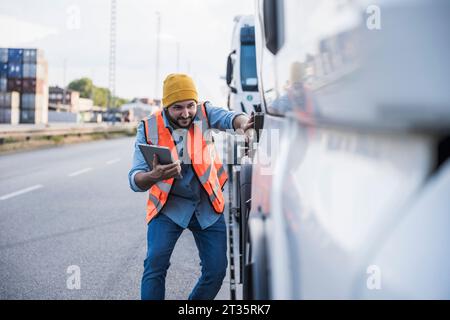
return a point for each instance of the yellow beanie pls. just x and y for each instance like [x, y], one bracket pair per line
[178, 87]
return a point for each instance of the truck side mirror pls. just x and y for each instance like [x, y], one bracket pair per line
[229, 75]
[273, 24]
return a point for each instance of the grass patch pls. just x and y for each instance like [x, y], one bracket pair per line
[57, 139]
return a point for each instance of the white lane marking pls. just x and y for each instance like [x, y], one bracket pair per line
[17, 193]
[113, 161]
[76, 173]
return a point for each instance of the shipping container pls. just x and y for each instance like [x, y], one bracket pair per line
[29, 70]
[37, 71]
[29, 85]
[9, 116]
[15, 55]
[33, 116]
[3, 85]
[9, 100]
[42, 72]
[30, 101]
[28, 116]
[14, 85]
[14, 70]
[33, 56]
[3, 70]
[34, 86]
[3, 55]
[42, 86]
[44, 113]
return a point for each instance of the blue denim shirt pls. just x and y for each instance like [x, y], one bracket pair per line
[187, 195]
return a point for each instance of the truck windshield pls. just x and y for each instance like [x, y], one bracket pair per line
[249, 80]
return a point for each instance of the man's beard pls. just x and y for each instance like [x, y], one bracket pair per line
[177, 124]
[185, 126]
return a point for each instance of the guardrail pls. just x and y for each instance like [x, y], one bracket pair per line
[27, 132]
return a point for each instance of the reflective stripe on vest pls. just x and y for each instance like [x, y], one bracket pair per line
[208, 167]
[221, 173]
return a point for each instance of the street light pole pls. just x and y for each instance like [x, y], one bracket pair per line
[178, 56]
[64, 82]
[158, 27]
[112, 56]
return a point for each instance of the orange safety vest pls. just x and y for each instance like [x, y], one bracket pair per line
[204, 159]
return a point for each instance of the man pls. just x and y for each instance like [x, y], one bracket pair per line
[187, 193]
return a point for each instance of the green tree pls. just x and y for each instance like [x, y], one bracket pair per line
[84, 86]
[119, 101]
[99, 95]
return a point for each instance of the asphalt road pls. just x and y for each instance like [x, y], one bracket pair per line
[69, 209]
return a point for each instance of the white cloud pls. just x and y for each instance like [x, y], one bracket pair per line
[24, 32]
[167, 37]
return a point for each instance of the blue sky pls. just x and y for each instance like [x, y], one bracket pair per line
[77, 31]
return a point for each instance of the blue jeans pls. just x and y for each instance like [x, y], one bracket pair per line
[162, 236]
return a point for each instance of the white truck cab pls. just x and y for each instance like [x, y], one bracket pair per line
[241, 75]
[354, 200]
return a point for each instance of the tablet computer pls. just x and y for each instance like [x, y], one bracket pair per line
[163, 153]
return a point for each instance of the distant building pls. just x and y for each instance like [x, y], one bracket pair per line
[88, 112]
[66, 101]
[137, 110]
[149, 101]
[60, 99]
